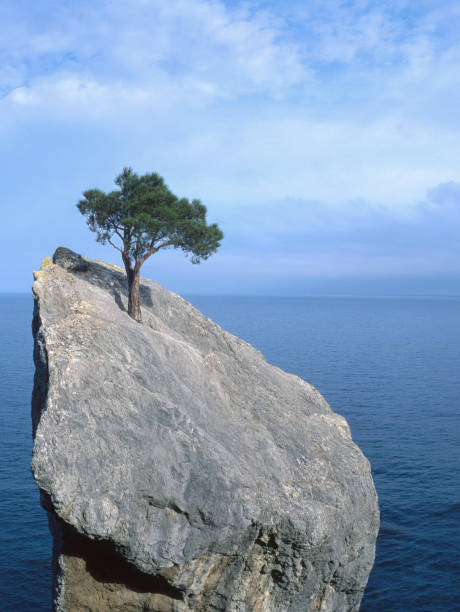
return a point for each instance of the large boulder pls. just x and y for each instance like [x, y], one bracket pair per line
[180, 470]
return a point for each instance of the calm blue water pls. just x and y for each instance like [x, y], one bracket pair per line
[390, 366]
[25, 544]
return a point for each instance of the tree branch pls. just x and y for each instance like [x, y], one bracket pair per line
[145, 256]
[114, 245]
[164, 244]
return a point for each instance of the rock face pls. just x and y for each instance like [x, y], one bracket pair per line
[181, 471]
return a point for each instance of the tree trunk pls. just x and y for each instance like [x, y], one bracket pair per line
[134, 300]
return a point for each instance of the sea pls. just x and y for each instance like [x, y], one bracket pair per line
[390, 366]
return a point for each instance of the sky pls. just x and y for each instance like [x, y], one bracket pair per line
[322, 135]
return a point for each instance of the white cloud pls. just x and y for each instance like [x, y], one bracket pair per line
[325, 100]
[225, 52]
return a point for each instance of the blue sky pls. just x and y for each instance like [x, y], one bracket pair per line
[323, 136]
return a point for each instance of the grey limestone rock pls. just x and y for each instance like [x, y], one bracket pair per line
[181, 471]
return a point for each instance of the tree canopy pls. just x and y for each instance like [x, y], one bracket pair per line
[144, 216]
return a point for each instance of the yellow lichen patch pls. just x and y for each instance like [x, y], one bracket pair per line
[46, 262]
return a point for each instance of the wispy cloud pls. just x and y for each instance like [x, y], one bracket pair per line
[196, 46]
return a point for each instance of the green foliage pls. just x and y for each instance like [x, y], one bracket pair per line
[144, 216]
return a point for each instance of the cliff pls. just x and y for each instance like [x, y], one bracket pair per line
[180, 471]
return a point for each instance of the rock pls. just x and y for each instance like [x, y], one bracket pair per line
[181, 471]
[69, 260]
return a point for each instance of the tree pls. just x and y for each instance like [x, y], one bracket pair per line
[144, 216]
